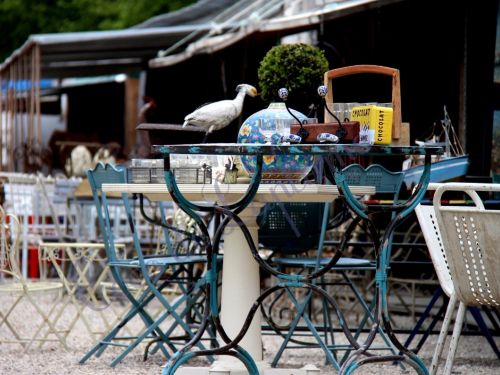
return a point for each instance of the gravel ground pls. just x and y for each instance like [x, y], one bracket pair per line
[474, 355]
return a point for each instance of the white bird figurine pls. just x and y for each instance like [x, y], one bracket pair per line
[217, 115]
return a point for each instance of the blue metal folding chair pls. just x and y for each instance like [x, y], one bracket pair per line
[290, 230]
[153, 270]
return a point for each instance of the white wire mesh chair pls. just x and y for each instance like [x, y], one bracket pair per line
[55, 193]
[16, 289]
[89, 290]
[464, 244]
[40, 203]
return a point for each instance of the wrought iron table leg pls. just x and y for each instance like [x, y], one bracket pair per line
[360, 356]
[211, 310]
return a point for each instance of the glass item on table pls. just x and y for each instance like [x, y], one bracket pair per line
[267, 127]
[187, 169]
[386, 105]
[145, 171]
[348, 110]
[339, 110]
[342, 110]
[283, 125]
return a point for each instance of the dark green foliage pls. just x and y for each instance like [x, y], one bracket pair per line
[297, 67]
[21, 18]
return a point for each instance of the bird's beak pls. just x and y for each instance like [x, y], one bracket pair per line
[254, 93]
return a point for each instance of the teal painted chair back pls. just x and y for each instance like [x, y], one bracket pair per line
[99, 175]
[387, 184]
[385, 181]
[112, 174]
[292, 228]
[109, 174]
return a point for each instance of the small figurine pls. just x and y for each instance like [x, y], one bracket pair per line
[327, 138]
[231, 172]
[291, 138]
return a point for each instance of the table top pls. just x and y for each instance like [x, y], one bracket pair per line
[300, 149]
[232, 192]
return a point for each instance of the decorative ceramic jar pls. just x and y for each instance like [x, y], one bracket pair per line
[276, 168]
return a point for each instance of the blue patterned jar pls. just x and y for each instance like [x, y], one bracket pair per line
[276, 168]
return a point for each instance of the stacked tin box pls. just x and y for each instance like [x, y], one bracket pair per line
[151, 171]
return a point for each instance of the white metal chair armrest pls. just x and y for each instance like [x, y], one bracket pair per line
[468, 238]
[471, 239]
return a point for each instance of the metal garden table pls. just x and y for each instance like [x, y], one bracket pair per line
[231, 213]
[238, 293]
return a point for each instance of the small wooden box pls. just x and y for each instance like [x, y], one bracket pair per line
[352, 128]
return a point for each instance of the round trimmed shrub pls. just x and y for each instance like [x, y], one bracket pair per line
[298, 67]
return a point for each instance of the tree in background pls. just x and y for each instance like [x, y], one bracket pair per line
[21, 18]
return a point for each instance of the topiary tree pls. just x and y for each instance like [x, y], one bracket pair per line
[298, 67]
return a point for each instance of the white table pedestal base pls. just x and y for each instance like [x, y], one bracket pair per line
[241, 286]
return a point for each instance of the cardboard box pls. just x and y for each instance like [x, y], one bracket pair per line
[375, 124]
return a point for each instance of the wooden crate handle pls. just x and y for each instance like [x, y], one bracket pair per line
[371, 69]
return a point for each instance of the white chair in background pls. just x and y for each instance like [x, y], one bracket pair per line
[16, 289]
[20, 195]
[464, 244]
[83, 271]
[41, 204]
